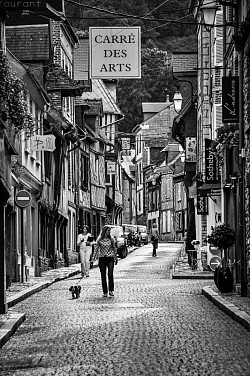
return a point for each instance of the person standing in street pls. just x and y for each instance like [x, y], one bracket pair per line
[154, 238]
[85, 241]
[107, 253]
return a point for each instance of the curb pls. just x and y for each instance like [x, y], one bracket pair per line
[22, 295]
[230, 309]
[192, 276]
[16, 319]
[10, 326]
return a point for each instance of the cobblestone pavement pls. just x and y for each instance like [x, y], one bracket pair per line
[155, 325]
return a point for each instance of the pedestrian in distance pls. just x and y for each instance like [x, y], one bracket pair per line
[154, 238]
[106, 252]
[84, 242]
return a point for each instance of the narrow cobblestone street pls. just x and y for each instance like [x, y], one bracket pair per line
[155, 325]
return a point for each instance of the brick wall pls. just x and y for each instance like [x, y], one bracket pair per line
[81, 60]
[56, 42]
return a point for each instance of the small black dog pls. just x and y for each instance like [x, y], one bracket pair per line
[76, 291]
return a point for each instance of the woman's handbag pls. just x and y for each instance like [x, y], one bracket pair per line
[96, 253]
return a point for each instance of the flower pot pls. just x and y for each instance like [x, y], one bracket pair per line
[224, 279]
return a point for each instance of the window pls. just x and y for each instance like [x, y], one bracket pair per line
[178, 221]
[84, 171]
[47, 164]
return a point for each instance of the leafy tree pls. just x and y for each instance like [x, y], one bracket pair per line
[155, 83]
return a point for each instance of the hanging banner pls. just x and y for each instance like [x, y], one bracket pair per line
[190, 149]
[211, 164]
[230, 99]
[45, 143]
[115, 52]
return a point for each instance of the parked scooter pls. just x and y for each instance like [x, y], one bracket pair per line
[133, 239]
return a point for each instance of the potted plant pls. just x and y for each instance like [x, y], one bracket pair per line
[223, 237]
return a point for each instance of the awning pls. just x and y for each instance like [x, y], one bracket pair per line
[210, 189]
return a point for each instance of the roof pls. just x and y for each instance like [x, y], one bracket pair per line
[184, 62]
[154, 107]
[95, 106]
[58, 79]
[100, 91]
[29, 42]
[126, 163]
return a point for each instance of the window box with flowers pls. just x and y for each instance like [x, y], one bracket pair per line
[223, 237]
[227, 137]
[13, 104]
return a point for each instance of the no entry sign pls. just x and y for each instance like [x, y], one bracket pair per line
[23, 199]
[214, 262]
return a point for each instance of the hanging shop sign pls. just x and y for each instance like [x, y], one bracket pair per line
[211, 164]
[115, 52]
[110, 167]
[202, 204]
[43, 143]
[202, 207]
[190, 149]
[125, 143]
[230, 99]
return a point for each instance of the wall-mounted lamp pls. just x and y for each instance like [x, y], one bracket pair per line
[178, 97]
[177, 101]
[209, 12]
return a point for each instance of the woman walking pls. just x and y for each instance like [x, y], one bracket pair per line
[85, 241]
[154, 238]
[107, 253]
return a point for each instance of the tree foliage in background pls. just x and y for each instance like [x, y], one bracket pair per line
[156, 83]
[159, 37]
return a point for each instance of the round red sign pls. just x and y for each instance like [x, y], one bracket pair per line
[23, 199]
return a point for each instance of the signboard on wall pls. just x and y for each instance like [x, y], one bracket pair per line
[230, 99]
[115, 52]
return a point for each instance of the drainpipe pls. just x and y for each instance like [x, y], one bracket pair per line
[242, 229]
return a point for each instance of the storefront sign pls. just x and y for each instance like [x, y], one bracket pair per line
[45, 143]
[23, 5]
[115, 52]
[32, 5]
[230, 99]
[211, 164]
[190, 149]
